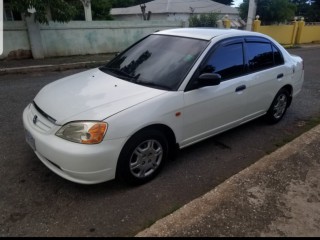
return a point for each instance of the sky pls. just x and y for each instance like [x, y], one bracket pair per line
[236, 3]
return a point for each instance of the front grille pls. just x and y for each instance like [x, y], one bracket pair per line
[40, 120]
[51, 119]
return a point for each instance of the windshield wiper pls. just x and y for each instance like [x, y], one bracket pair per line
[134, 79]
[154, 85]
[119, 73]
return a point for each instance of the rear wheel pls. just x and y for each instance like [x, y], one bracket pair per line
[142, 157]
[278, 107]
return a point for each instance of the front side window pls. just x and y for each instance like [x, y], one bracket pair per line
[227, 61]
[157, 61]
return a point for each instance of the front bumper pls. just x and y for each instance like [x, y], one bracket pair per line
[84, 164]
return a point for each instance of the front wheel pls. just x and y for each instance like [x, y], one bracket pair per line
[142, 157]
[278, 107]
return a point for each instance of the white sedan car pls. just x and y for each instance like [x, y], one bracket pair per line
[172, 89]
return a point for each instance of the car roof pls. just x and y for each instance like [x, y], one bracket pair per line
[205, 33]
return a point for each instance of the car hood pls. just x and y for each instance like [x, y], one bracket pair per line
[91, 95]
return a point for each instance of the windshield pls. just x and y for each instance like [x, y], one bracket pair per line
[157, 61]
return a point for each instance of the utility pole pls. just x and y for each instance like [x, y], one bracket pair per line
[251, 14]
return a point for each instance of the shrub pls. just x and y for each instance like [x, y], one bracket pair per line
[204, 20]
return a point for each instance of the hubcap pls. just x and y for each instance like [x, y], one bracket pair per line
[146, 158]
[280, 106]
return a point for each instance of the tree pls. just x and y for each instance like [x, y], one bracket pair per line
[127, 3]
[309, 9]
[303, 7]
[313, 14]
[271, 12]
[61, 10]
[226, 2]
[243, 9]
[101, 9]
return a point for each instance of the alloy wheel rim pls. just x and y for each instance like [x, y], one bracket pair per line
[280, 106]
[146, 158]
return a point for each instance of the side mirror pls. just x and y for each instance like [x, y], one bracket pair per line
[209, 79]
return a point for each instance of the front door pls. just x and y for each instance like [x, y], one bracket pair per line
[213, 109]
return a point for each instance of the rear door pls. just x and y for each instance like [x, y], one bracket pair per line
[266, 72]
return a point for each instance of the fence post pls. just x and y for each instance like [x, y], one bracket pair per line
[294, 31]
[301, 25]
[256, 24]
[220, 24]
[226, 22]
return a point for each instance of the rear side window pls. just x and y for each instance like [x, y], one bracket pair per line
[278, 58]
[260, 56]
[228, 61]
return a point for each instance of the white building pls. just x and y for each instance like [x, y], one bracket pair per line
[176, 10]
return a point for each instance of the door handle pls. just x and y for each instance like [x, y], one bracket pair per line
[280, 76]
[241, 88]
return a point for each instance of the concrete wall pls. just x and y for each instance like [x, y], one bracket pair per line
[15, 40]
[296, 33]
[310, 34]
[81, 37]
[282, 33]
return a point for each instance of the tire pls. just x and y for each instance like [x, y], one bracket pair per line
[142, 157]
[278, 107]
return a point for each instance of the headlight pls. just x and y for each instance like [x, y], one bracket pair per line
[83, 132]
